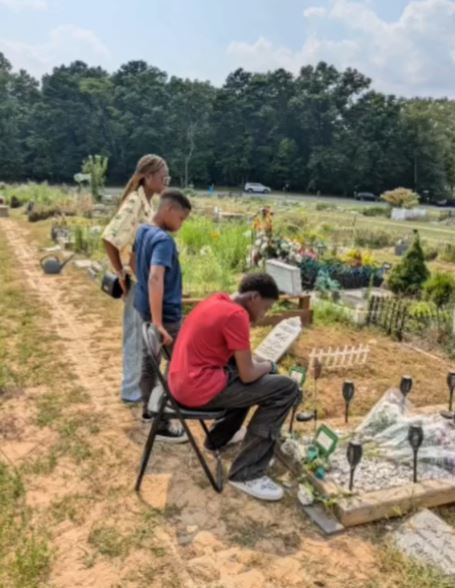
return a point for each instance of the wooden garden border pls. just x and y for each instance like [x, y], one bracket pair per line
[380, 504]
[303, 310]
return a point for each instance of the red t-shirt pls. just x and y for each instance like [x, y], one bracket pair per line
[210, 335]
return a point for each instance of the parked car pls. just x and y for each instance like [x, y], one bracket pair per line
[445, 202]
[366, 196]
[256, 188]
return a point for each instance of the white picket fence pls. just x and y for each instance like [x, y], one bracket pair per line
[339, 357]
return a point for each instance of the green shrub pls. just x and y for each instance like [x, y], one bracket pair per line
[401, 198]
[440, 288]
[448, 253]
[324, 206]
[376, 211]
[373, 239]
[326, 313]
[430, 253]
[409, 275]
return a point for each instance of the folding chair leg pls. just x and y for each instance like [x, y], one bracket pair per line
[217, 484]
[149, 445]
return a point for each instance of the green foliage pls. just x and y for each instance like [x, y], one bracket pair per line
[212, 254]
[401, 198]
[430, 253]
[324, 284]
[448, 253]
[440, 288]
[326, 313]
[375, 211]
[96, 167]
[323, 130]
[24, 554]
[408, 276]
[373, 239]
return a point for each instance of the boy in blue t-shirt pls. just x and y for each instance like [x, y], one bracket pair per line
[158, 295]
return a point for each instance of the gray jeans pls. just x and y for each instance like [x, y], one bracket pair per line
[148, 376]
[132, 350]
[274, 396]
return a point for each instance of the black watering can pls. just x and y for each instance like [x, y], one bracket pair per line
[51, 264]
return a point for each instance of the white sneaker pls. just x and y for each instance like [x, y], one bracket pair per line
[238, 436]
[262, 488]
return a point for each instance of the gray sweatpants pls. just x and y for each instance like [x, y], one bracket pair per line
[274, 396]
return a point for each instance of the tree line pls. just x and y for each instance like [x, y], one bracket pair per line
[322, 130]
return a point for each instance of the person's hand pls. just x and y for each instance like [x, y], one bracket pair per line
[124, 286]
[167, 339]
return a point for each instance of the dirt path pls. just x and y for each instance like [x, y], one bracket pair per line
[198, 538]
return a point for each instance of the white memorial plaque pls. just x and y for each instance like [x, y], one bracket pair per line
[287, 277]
[428, 539]
[279, 339]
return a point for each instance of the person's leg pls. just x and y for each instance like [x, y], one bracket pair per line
[132, 350]
[275, 396]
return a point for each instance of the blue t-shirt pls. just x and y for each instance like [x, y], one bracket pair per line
[153, 246]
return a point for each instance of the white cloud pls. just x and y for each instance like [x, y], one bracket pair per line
[66, 43]
[414, 55]
[314, 11]
[20, 5]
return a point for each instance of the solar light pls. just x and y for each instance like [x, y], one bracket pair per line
[317, 372]
[354, 454]
[415, 438]
[405, 385]
[348, 395]
[451, 385]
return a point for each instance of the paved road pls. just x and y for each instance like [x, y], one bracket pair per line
[310, 198]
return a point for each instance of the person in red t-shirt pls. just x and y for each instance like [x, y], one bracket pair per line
[213, 367]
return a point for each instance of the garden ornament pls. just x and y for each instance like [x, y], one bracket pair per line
[449, 414]
[51, 263]
[405, 385]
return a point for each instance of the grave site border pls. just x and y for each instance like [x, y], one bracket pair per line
[368, 507]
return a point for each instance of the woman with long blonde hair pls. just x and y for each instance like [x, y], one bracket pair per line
[150, 178]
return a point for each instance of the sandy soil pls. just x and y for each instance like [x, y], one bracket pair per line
[179, 532]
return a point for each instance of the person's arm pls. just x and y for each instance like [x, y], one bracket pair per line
[249, 368]
[120, 232]
[116, 263]
[156, 295]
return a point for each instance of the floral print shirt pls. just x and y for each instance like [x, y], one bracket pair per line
[121, 231]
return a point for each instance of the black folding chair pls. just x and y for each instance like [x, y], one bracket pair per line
[170, 409]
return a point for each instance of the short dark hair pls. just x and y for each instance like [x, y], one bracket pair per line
[177, 197]
[261, 283]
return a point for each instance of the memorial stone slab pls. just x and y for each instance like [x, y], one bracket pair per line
[287, 277]
[280, 339]
[4, 211]
[428, 539]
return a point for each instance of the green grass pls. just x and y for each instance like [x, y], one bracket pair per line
[397, 571]
[25, 556]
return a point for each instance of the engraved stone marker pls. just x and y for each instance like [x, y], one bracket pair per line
[429, 539]
[287, 277]
[280, 339]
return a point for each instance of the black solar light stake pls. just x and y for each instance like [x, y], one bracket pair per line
[451, 385]
[348, 395]
[415, 438]
[405, 385]
[354, 454]
[449, 414]
[317, 372]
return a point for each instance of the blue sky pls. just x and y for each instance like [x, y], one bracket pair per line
[406, 46]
